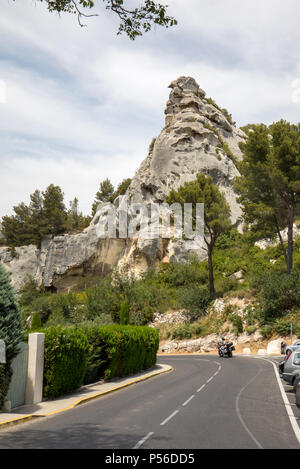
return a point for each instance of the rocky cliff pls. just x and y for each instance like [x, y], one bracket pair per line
[197, 137]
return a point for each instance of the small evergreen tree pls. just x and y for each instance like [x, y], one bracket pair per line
[10, 330]
[104, 194]
[124, 312]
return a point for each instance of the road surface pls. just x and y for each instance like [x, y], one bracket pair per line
[206, 402]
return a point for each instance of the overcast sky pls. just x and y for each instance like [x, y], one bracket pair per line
[78, 105]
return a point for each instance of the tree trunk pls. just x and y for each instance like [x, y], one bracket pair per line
[211, 272]
[284, 251]
[290, 239]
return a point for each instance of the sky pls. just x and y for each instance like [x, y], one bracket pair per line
[79, 105]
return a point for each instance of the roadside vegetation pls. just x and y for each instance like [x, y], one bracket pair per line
[270, 295]
[266, 281]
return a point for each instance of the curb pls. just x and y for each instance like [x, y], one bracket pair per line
[21, 419]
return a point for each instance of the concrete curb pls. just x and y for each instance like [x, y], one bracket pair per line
[23, 418]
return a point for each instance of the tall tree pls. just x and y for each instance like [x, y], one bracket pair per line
[269, 185]
[122, 188]
[54, 211]
[10, 330]
[133, 21]
[75, 219]
[45, 215]
[104, 194]
[216, 212]
[37, 222]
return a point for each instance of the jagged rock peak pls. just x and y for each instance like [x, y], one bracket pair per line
[187, 97]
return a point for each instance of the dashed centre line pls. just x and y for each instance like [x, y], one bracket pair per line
[200, 389]
[164, 422]
[188, 400]
[169, 418]
[139, 443]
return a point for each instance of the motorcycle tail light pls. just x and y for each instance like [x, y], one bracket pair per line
[298, 385]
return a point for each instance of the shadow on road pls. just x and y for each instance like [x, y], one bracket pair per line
[81, 436]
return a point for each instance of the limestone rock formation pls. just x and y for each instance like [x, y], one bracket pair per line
[197, 137]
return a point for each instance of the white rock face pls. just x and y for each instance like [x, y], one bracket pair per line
[177, 317]
[246, 351]
[265, 243]
[197, 138]
[208, 343]
[274, 347]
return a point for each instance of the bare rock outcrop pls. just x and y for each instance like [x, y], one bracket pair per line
[198, 138]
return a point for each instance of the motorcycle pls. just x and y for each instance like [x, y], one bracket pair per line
[225, 350]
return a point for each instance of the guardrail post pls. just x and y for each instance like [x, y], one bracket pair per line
[34, 384]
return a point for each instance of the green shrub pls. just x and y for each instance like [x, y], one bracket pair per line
[124, 312]
[102, 299]
[182, 332]
[118, 350]
[10, 330]
[266, 331]
[282, 327]
[280, 294]
[250, 329]
[36, 321]
[237, 323]
[196, 300]
[65, 360]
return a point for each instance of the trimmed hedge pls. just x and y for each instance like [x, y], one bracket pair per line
[82, 355]
[117, 351]
[65, 360]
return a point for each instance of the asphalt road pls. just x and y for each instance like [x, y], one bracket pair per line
[206, 402]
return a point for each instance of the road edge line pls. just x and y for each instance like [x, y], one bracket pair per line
[286, 402]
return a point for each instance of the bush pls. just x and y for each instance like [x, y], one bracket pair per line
[282, 327]
[237, 323]
[65, 360]
[102, 299]
[36, 321]
[10, 330]
[266, 331]
[281, 293]
[196, 300]
[124, 312]
[119, 350]
[182, 332]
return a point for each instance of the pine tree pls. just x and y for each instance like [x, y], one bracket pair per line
[216, 212]
[10, 330]
[269, 185]
[104, 194]
[54, 211]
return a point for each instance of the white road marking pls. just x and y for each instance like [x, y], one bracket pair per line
[239, 413]
[189, 400]
[141, 442]
[288, 407]
[200, 389]
[209, 379]
[287, 404]
[170, 417]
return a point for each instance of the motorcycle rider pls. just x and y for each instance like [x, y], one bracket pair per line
[222, 343]
[225, 347]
